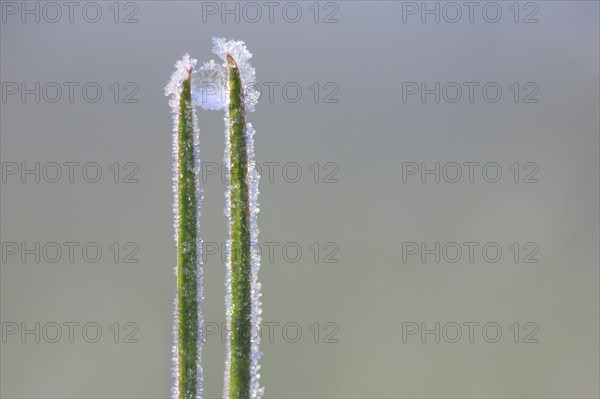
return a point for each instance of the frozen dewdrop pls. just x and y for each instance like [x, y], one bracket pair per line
[209, 86]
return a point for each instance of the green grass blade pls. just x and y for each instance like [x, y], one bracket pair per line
[241, 299]
[187, 267]
[187, 370]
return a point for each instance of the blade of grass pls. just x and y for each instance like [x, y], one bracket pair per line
[187, 369]
[187, 268]
[241, 277]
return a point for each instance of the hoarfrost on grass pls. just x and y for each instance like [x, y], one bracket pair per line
[173, 89]
[228, 271]
[210, 91]
[241, 55]
[199, 266]
[252, 179]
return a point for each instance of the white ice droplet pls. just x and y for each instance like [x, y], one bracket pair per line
[209, 86]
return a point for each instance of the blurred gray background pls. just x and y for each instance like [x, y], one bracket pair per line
[352, 61]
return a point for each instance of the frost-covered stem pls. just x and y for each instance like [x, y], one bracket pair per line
[241, 277]
[187, 256]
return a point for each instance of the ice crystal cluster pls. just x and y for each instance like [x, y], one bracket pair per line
[256, 391]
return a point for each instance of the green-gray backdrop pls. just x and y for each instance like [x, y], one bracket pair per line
[429, 200]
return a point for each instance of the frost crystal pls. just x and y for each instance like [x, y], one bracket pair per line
[199, 244]
[252, 179]
[173, 91]
[227, 212]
